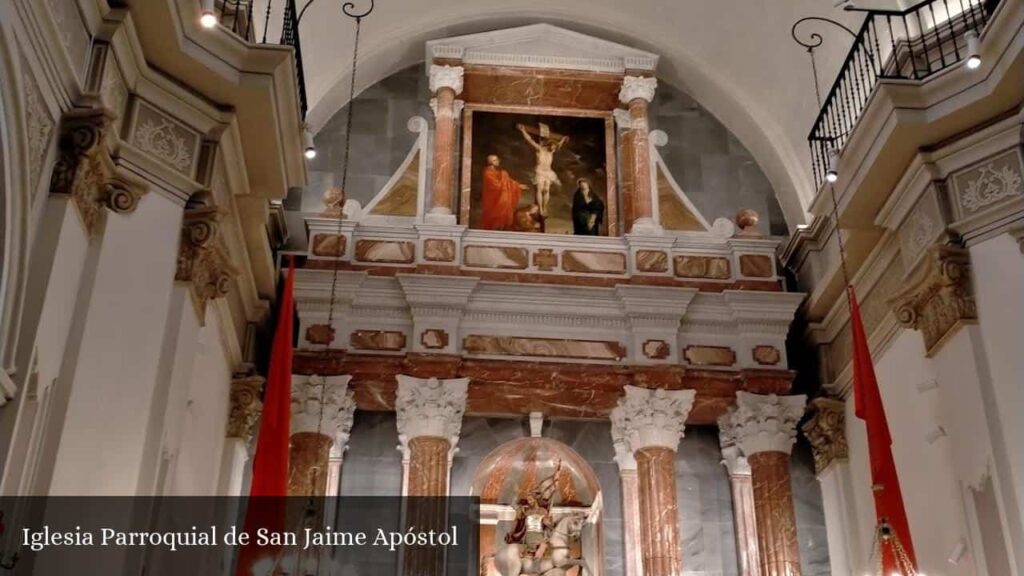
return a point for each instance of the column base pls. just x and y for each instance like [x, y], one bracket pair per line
[646, 227]
[441, 216]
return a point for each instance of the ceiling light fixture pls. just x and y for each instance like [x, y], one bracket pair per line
[208, 18]
[973, 50]
[308, 144]
[833, 165]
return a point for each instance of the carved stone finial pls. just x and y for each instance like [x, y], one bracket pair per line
[649, 418]
[334, 202]
[201, 262]
[826, 431]
[85, 171]
[446, 77]
[245, 407]
[746, 221]
[763, 423]
[430, 407]
[323, 404]
[937, 296]
[634, 87]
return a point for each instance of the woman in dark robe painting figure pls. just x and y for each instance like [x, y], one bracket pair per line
[587, 210]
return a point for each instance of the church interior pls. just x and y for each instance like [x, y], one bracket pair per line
[328, 249]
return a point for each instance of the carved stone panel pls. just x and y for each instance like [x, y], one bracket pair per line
[594, 262]
[385, 251]
[710, 355]
[988, 183]
[439, 250]
[756, 266]
[712, 268]
[165, 139]
[381, 340]
[495, 257]
[330, 245]
[651, 261]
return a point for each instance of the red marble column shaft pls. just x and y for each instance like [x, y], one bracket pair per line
[776, 520]
[308, 463]
[444, 151]
[638, 162]
[428, 476]
[659, 511]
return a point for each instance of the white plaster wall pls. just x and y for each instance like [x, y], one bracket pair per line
[116, 354]
[204, 422]
[928, 480]
[999, 292]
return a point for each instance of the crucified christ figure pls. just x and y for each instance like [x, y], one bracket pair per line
[544, 177]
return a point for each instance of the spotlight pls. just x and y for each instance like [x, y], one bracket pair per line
[310, 147]
[833, 165]
[208, 18]
[973, 50]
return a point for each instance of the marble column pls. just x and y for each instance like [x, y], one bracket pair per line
[631, 541]
[650, 423]
[445, 84]
[636, 93]
[429, 417]
[322, 411]
[826, 432]
[765, 431]
[743, 508]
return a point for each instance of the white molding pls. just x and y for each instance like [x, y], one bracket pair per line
[541, 46]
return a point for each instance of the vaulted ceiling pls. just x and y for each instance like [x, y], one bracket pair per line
[736, 57]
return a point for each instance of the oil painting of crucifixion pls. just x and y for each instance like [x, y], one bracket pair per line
[528, 172]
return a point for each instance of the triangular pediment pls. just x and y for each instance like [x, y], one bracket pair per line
[541, 46]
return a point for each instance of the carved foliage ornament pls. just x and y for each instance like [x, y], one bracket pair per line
[324, 405]
[245, 407]
[938, 295]
[765, 423]
[637, 87]
[991, 183]
[201, 262]
[826, 431]
[649, 418]
[85, 171]
[446, 77]
[430, 407]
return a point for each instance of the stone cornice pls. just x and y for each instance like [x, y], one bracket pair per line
[826, 431]
[647, 418]
[938, 296]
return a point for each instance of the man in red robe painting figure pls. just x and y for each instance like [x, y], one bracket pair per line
[500, 197]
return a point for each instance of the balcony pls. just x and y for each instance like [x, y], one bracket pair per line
[904, 46]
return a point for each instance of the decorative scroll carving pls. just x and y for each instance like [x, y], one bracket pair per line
[652, 418]
[245, 407]
[430, 407]
[764, 423]
[938, 295]
[85, 172]
[984, 185]
[201, 262]
[165, 140]
[634, 87]
[323, 405]
[826, 431]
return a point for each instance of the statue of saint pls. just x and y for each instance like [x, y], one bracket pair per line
[533, 517]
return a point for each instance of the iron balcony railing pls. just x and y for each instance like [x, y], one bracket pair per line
[237, 16]
[909, 44]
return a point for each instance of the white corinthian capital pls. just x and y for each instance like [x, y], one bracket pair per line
[323, 404]
[446, 77]
[430, 407]
[634, 87]
[647, 418]
[764, 422]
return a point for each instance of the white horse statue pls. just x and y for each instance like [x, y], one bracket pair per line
[511, 560]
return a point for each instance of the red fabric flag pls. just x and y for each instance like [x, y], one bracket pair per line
[266, 504]
[885, 483]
